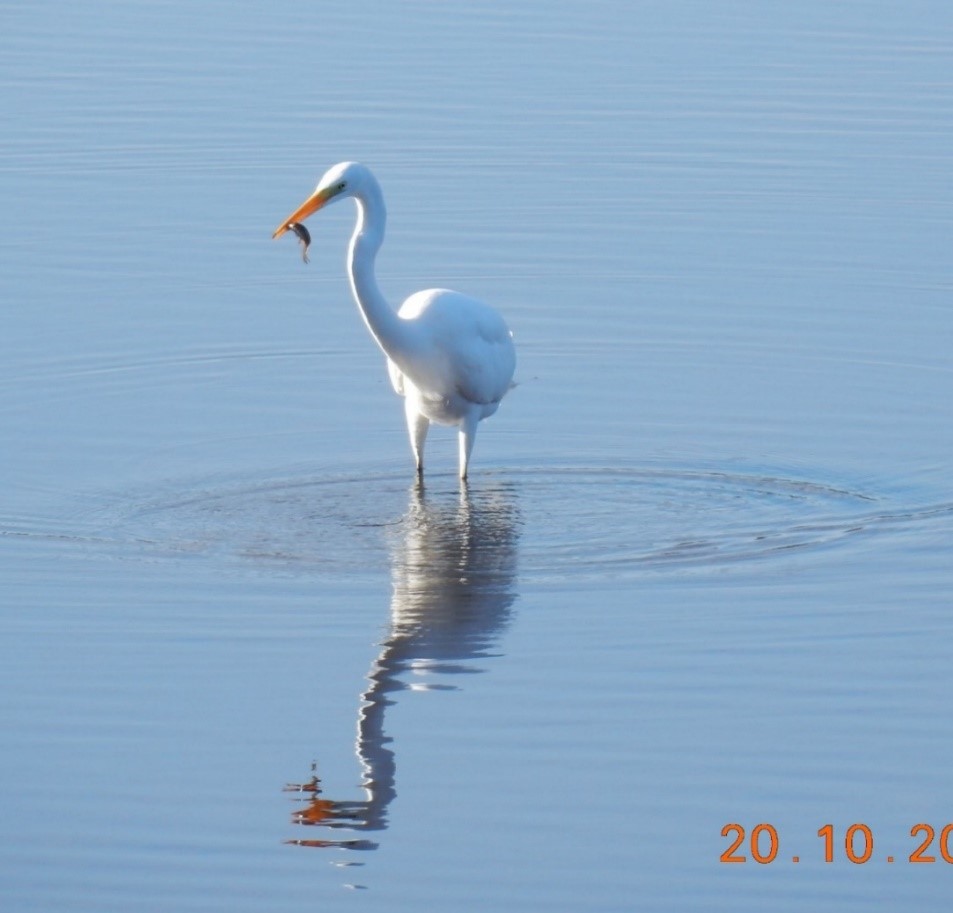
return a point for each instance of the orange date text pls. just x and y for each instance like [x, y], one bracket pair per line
[855, 843]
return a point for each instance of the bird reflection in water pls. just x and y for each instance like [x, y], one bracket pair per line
[453, 566]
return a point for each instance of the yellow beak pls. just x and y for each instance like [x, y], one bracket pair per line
[307, 208]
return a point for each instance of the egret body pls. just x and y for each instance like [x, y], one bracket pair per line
[450, 356]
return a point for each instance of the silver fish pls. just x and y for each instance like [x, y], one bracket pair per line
[304, 236]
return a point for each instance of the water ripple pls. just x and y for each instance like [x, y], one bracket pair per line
[576, 521]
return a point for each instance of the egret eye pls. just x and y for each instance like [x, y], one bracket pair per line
[341, 186]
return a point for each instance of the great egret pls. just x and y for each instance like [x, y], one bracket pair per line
[450, 356]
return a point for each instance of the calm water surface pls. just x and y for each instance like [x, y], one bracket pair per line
[702, 572]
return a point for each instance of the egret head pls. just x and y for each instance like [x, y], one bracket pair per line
[346, 179]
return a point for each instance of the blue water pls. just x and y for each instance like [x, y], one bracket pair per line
[701, 574]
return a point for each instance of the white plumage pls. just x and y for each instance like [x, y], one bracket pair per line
[450, 356]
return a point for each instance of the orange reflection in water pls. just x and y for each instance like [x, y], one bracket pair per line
[326, 813]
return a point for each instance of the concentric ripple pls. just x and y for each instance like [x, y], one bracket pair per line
[652, 519]
[560, 523]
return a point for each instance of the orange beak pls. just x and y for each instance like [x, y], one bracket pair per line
[307, 208]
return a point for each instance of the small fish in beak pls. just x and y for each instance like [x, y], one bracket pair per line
[304, 236]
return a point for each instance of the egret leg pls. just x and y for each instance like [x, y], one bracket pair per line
[417, 427]
[468, 429]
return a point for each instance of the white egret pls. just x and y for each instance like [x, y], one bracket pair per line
[450, 356]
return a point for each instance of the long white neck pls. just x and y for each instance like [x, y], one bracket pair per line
[388, 330]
